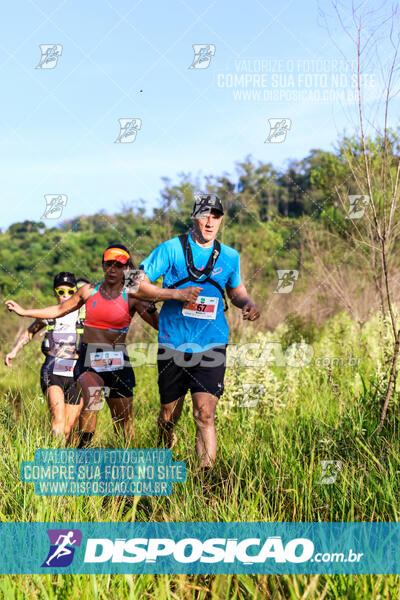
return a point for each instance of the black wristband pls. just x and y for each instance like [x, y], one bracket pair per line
[152, 308]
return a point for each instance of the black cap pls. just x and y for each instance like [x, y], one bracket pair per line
[64, 278]
[205, 203]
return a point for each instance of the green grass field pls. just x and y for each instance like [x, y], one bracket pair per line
[268, 465]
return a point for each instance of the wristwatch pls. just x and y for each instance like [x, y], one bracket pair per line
[152, 308]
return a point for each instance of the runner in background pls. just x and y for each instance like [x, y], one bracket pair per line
[193, 337]
[104, 361]
[61, 346]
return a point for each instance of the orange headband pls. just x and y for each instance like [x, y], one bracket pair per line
[116, 254]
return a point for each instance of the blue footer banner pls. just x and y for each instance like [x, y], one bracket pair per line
[179, 548]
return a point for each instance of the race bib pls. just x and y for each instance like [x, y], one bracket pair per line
[107, 361]
[64, 367]
[205, 307]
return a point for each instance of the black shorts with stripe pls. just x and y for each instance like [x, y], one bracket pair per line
[179, 372]
[67, 384]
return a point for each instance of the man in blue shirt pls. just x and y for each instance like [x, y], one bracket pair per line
[193, 337]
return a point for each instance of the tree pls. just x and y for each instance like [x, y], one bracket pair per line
[372, 155]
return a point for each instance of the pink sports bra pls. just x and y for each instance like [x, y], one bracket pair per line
[110, 314]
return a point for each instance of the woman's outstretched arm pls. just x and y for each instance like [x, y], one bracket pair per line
[57, 310]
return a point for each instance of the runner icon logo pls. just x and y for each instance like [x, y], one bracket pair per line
[358, 204]
[55, 204]
[97, 397]
[278, 129]
[50, 55]
[330, 470]
[128, 130]
[287, 279]
[203, 54]
[62, 547]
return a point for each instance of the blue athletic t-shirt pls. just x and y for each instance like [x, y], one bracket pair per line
[202, 325]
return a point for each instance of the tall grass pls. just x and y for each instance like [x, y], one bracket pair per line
[268, 466]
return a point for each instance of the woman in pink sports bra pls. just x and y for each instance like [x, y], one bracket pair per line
[103, 369]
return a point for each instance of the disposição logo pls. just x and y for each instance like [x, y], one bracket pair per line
[62, 547]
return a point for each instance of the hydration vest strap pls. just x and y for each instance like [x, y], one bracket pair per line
[47, 342]
[79, 326]
[187, 252]
[96, 289]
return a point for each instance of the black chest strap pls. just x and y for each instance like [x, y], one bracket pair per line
[194, 273]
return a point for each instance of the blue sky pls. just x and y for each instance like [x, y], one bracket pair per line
[131, 59]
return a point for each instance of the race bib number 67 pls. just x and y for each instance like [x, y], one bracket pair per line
[205, 307]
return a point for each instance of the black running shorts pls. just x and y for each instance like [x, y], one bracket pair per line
[67, 384]
[121, 382]
[179, 372]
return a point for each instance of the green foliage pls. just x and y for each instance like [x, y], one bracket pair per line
[262, 210]
[270, 451]
[299, 329]
[30, 254]
[268, 466]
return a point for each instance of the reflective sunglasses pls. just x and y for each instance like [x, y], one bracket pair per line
[113, 263]
[62, 292]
